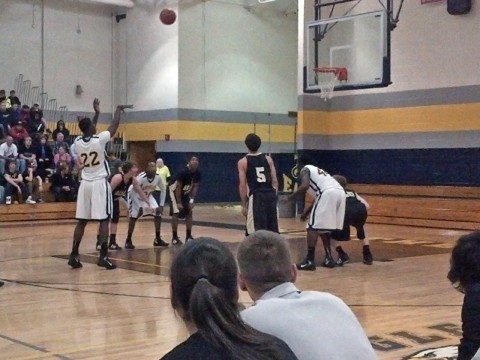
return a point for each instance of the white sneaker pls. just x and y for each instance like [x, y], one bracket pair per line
[8, 200]
[30, 201]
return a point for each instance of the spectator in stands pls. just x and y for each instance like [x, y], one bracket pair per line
[114, 163]
[61, 156]
[25, 115]
[61, 129]
[77, 177]
[2, 190]
[14, 100]
[18, 133]
[8, 151]
[315, 325]
[60, 142]
[44, 157]
[3, 97]
[27, 151]
[204, 293]
[15, 115]
[5, 119]
[36, 126]
[63, 185]
[15, 185]
[464, 274]
[33, 181]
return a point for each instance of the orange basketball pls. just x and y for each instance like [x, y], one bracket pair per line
[168, 16]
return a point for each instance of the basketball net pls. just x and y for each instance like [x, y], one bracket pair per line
[327, 79]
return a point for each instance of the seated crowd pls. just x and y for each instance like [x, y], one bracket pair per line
[28, 159]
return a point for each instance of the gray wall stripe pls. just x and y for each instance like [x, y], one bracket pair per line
[441, 96]
[220, 146]
[427, 140]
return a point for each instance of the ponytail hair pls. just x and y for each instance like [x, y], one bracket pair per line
[205, 292]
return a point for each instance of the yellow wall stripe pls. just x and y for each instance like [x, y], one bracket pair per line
[460, 117]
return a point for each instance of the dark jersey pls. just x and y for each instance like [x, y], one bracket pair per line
[187, 178]
[259, 177]
[122, 188]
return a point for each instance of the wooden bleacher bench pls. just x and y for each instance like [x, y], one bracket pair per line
[445, 207]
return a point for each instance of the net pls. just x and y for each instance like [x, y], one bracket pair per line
[327, 78]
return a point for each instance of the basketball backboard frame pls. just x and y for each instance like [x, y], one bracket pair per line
[329, 14]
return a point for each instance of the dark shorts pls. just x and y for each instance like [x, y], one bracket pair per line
[262, 212]
[183, 212]
[116, 211]
[355, 216]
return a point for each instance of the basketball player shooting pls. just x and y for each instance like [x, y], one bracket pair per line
[94, 201]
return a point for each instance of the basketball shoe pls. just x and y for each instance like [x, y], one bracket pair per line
[74, 262]
[306, 265]
[129, 245]
[328, 262]
[106, 263]
[114, 246]
[343, 258]
[176, 241]
[367, 256]
[159, 242]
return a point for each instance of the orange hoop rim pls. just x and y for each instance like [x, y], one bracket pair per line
[341, 73]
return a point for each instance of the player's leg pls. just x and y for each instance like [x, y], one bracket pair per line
[102, 205]
[131, 227]
[367, 255]
[329, 262]
[250, 226]
[157, 221]
[74, 259]
[134, 212]
[112, 244]
[272, 211]
[309, 262]
[174, 212]
[82, 214]
[338, 237]
[189, 225]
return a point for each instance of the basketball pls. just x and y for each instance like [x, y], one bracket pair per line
[168, 16]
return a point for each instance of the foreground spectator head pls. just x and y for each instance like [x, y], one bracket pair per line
[465, 261]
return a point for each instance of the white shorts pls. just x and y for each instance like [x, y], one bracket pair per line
[94, 200]
[135, 204]
[328, 211]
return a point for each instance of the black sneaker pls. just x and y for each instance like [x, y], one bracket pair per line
[328, 263]
[74, 262]
[367, 257]
[114, 246]
[106, 263]
[306, 265]
[160, 242]
[189, 238]
[1, 283]
[342, 258]
[176, 241]
[129, 245]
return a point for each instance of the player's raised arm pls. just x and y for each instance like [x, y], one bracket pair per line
[112, 129]
[96, 108]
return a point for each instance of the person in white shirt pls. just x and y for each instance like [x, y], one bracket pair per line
[326, 213]
[94, 200]
[148, 180]
[315, 325]
[8, 151]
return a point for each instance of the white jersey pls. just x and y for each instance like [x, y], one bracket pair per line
[320, 181]
[91, 153]
[149, 185]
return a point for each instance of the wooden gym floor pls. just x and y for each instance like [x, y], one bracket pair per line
[49, 311]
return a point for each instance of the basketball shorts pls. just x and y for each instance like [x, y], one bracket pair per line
[356, 216]
[328, 211]
[135, 204]
[262, 212]
[174, 205]
[94, 200]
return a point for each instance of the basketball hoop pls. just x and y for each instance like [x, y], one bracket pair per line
[327, 78]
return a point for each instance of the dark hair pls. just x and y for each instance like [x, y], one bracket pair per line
[110, 153]
[264, 260]
[465, 261]
[303, 160]
[127, 166]
[205, 292]
[253, 142]
[85, 124]
[342, 180]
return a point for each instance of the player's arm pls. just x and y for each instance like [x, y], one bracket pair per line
[304, 185]
[138, 189]
[163, 191]
[178, 193]
[96, 109]
[115, 181]
[112, 129]
[242, 182]
[273, 173]
[362, 200]
[306, 212]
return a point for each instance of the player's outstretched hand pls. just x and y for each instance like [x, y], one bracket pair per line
[96, 105]
[123, 107]
[244, 211]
